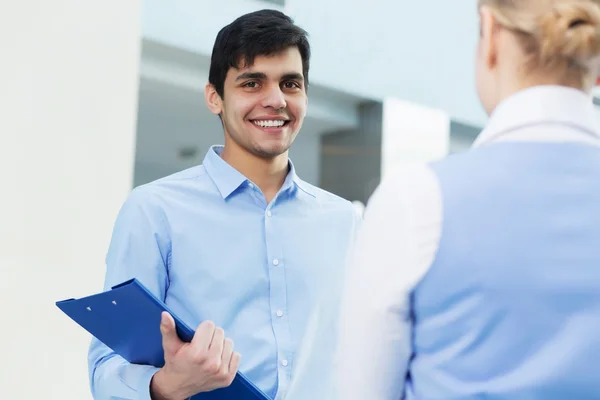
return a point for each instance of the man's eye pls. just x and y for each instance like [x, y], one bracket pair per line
[291, 85]
[251, 84]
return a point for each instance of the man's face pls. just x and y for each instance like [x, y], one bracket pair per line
[263, 105]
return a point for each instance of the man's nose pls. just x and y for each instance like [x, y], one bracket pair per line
[274, 98]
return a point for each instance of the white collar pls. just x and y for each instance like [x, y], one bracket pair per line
[543, 104]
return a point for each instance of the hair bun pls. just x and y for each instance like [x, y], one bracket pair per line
[571, 31]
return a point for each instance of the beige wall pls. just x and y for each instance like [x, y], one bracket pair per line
[68, 79]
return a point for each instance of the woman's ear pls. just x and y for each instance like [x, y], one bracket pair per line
[489, 28]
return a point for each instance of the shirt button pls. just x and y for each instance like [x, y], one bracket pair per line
[251, 185]
[269, 213]
[279, 313]
[275, 262]
[284, 363]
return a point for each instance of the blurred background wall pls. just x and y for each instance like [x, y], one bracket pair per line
[68, 99]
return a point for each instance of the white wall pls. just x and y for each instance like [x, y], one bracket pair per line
[419, 51]
[68, 97]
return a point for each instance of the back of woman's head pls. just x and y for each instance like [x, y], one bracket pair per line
[570, 32]
[558, 42]
[553, 33]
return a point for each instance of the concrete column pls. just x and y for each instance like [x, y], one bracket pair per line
[412, 133]
[390, 133]
[68, 95]
[351, 159]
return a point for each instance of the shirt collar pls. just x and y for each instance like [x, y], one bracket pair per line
[228, 179]
[547, 104]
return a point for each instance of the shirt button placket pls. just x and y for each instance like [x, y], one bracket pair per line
[278, 296]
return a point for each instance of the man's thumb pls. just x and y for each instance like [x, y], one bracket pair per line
[170, 339]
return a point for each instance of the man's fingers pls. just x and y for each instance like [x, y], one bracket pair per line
[227, 354]
[203, 336]
[234, 364]
[218, 341]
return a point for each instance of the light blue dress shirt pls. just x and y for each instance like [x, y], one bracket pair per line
[206, 242]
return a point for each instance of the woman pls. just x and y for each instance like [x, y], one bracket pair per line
[479, 276]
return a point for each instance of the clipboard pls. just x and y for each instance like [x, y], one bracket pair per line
[127, 320]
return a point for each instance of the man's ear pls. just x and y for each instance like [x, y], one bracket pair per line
[213, 100]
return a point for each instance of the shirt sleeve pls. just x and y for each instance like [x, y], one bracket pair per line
[139, 248]
[393, 251]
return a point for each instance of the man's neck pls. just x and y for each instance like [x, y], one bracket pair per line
[267, 173]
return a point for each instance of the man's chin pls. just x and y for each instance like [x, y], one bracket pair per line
[269, 152]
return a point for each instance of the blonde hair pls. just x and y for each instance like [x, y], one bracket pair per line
[561, 36]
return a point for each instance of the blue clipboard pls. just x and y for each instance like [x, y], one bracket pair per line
[127, 320]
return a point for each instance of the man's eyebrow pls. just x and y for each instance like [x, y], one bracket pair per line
[261, 76]
[293, 76]
[251, 75]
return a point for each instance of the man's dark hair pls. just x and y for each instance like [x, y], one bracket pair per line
[260, 33]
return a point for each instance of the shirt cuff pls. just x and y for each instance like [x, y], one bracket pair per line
[145, 374]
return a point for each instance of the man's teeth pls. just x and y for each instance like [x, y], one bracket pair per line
[270, 123]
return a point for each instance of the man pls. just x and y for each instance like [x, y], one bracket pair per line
[240, 244]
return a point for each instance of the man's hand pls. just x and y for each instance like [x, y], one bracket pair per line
[207, 363]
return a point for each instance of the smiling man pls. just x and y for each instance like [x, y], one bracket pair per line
[239, 246]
